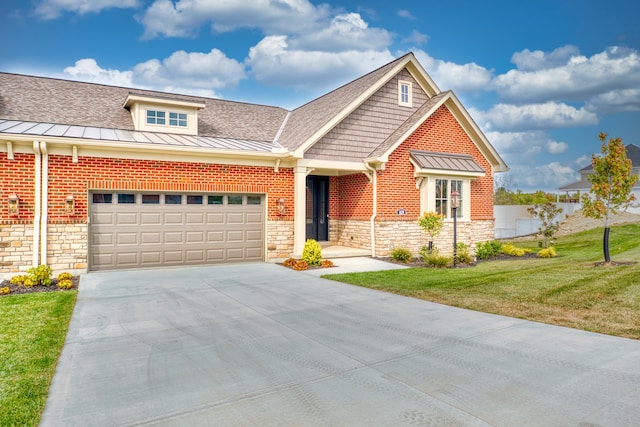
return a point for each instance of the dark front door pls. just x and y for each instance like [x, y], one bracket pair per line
[317, 208]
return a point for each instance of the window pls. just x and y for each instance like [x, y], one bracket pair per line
[178, 119]
[405, 98]
[172, 199]
[435, 195]
[234, 200]
[215, 200]
[126, 198]
[150, 199]
[102, 198]
[156, 117]
[194, 200]
[253, 200]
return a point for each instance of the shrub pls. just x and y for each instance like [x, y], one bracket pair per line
[5, 290]
[549, 252]
[512, 250]
[290, 262]
[17, 280]
[65, 284]
[326, 263]
[64, 276]
[488, 249]
[433, 257]
[463, 254]
[312, 252]
[28, 282]
[40, 275]
[432, 223]
[301, 265]
[401, 255]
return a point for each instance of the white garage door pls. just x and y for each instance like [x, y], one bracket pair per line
[128, 230]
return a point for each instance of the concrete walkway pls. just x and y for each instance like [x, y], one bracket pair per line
[262, 345]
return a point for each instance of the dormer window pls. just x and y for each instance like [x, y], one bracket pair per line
[405, 97]
[167, 115]
[156, 117]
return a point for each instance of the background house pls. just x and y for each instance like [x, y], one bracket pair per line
[109, 177]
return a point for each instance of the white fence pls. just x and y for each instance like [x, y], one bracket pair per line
[515, 221]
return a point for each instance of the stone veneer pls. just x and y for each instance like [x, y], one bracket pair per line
[408, 235]
[67, 247]
[279, 240]
[16, 248]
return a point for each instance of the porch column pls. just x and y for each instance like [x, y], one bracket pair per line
[299, 214]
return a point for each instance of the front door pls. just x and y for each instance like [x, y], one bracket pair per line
[317, 208]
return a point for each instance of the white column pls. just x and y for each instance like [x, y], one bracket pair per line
[299, 214]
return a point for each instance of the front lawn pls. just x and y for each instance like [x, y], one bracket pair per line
[32, 332]
[570, 290]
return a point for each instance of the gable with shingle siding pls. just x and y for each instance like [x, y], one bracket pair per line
[370, 125]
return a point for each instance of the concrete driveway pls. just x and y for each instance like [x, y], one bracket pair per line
[261, 345]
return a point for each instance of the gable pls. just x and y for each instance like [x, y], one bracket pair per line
[362, 131]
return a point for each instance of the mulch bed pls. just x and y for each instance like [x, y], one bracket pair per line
[19, 289]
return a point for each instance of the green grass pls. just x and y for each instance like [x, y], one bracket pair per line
[569, 290]
[32, 332]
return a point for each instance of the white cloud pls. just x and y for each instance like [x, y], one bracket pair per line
[273, 62]
[563, 74]
[553, 147]
[403, 13]
[508, 117]
[88, 70]
[615, 101]
[192, 73]
[522, 145]
[416, 37]
[51, 9]
[184, 17]
[449, 75]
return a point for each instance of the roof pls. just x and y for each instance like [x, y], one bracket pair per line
[17, 127]
[445, 162]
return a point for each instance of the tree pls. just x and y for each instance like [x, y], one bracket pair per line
[432, 223]
[546, 213]
[611, 184]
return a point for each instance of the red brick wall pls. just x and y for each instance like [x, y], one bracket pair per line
[350, 197]
[66, 177]
[17, 177]
[440, 133]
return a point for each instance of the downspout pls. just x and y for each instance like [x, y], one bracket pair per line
[37, 207]
[372, 221]
[45, 203]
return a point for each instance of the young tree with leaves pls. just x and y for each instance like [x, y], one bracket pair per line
[549, 226]
[611, 184]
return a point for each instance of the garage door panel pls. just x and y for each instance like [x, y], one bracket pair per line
[150, 218]
[126, 218]
[127, 238]
[150, 235]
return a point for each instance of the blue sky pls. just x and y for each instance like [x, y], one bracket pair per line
[541, 78]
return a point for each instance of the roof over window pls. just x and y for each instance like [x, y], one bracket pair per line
[428, 162]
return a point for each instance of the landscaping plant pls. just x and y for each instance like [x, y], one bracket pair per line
[546, 213]
[432, 223]
[312, 252]
[401, 255]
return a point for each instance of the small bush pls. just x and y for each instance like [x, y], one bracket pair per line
[40, 275]
[434, 258]
[488, 249]
[326, 263]
[17, 280]
[401, 255]
[64, 276]
[312, 252]
[549, 252]
[290, 262]
[5, 290]
[512, 250]
[301, 265]
[29, 282]
[65, 284]
[463, 254]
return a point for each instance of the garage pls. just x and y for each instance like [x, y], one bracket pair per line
[131, 230]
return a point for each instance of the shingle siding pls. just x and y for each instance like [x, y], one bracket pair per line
[365, 129]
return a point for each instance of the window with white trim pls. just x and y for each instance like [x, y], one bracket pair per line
[405, 96]
[435, 196]
[158, 117]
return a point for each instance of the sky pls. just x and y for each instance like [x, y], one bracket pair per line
[541, 78]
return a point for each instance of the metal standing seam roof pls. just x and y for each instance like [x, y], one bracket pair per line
[445, 161]
[17, 127]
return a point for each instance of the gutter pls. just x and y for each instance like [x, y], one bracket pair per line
[372, 220]
[37, 203]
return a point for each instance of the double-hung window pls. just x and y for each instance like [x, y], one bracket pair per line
[444, 188]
